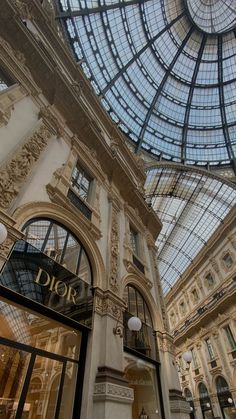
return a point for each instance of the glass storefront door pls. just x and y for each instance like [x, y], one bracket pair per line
[39, 361]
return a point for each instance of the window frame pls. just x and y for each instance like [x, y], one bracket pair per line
[77, 187]
[230, 337]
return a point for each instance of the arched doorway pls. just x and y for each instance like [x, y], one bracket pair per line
[205, 402]
[225, 398]
[142, 371]
[189, 398]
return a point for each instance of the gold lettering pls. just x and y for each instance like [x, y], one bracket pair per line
[52, 283]
[71, 294]
[58, 285]
[38, 277]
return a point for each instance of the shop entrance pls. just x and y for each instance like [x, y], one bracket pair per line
[39, 364]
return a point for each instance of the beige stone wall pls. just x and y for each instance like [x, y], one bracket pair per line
[50, 120]
[207, 313]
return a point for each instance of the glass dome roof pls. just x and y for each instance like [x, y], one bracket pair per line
[164, 70]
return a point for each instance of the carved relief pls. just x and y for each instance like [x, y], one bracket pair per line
[5, 247]
[106, 306]
[15, 171]
[215, 265]
[114, 253]
[23, 8]
[232, 239]
[114, 391]
[49, 119]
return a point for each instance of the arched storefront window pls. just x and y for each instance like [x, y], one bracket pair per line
[60, 244]
[205, 402]
[225, 397]
[189, 398]
[144, 340]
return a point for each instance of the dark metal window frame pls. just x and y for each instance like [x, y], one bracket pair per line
[43, 247]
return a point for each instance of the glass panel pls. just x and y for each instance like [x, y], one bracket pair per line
[41, 403]
[84, 272]
[68, 391]
[55, 242]
[71, 256]
[140, 307]
[132, 302]
[26, 327]
[230, 337]
[13, 368]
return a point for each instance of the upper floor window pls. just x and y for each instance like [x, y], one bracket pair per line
[142, 341]
[5, 82]
[182, 307]
[228, 260]
[194, 358]
[210, 282]
[230, 337]
[134, 241]
[81, 182]
[195, 296]
[210, 349]
[59, 244]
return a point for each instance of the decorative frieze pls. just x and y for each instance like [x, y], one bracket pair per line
[110, 391]
[114, 252]
[14, 173]
[106, 305]
[51, 121]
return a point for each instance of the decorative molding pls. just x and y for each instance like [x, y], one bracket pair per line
[8, 98]
[108, 391]
[114, 250]
[106, 303]
[51, 121]
[14, 173]
[232, 239]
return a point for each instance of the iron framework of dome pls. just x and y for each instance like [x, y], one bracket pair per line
[165, 72]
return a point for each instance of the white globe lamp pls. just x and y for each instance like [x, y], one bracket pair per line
[134, 324]
[187, 357]
[3, 233]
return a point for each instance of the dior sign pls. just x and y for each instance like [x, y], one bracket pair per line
[41, 279]
[53, 284]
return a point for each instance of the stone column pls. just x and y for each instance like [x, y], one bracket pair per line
[111, 396]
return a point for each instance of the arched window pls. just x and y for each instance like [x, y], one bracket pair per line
[189, 398]
[144, 340]
[225, 397]
[60, 244]
[205, 402]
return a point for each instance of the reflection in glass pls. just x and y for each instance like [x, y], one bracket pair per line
[13, 367]
[38, 365]
[35, 330]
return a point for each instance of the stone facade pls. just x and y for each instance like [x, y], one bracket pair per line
[51, 125]
[202, 316]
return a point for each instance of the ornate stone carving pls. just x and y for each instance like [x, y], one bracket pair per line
[113, 391]
[24, 8]
[232, 239]
[51, 121]
[15, 171]
[215, 265]
[106, 306]
[114, 253]
[6, 247]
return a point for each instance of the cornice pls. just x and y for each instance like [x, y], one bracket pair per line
[206, 317]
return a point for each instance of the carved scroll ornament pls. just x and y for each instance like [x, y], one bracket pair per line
[15, 171]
